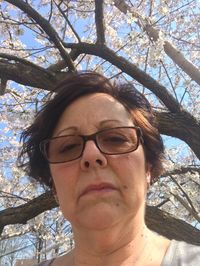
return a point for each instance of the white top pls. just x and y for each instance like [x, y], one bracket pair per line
[178, 254]
[182, 254]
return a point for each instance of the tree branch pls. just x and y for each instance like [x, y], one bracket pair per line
[181, 125]
[170, 80]
[62, 64]
[166, 225]
[176, 55]
[177, 123]
[27, 211]
[100, 29]
[187, 197]
[129, 68]
[46, 26]
[3, 83]
[32, 76]
[181, 170]
[26, 62]
[68, 22]
[186, 206]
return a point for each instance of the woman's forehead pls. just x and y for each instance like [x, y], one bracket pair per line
[96, 102]
[94, 109]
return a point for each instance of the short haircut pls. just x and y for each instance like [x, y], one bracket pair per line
[72, 87]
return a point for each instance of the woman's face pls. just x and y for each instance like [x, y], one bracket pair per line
[97, 190]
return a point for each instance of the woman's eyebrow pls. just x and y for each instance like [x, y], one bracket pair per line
[66, 129]
[104, 122]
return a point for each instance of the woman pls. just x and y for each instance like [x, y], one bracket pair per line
[95, 144]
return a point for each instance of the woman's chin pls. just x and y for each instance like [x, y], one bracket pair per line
[99, 217]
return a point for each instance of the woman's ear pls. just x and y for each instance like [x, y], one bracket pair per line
[148, 175]
[55, 193]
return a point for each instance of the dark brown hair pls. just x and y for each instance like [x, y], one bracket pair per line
[74, 86]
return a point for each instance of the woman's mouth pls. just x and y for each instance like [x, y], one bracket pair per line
[96, 189]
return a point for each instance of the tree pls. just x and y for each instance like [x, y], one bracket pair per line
[10, 250]
[153, 45]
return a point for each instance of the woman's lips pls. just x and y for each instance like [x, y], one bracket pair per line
[98, 188]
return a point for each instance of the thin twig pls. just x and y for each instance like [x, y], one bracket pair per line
[13, 196]
[48, 29]
[184, 193]
[69, 23]
[186, 206]
[169, 78]
[162, 203]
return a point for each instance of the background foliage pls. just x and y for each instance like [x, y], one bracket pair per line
[153, 44]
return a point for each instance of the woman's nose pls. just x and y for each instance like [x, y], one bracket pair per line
[92, 157]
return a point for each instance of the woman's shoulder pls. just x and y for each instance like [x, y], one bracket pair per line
[181, 254]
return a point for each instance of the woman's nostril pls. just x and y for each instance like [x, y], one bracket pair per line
[99, 162]
[87, 164]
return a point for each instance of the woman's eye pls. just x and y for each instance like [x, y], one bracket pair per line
[68, 147]
[116, 139]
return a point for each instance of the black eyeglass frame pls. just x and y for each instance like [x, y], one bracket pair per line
[42, 145]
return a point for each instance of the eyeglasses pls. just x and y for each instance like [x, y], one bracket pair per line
[112, 141]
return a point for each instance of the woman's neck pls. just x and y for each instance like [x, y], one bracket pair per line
[120, 245]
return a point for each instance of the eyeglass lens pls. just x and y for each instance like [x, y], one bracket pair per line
[110, 141]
